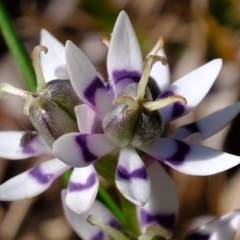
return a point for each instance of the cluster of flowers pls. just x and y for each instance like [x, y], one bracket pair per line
[125, 116]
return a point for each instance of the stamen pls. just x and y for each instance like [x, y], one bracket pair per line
[41, 83]
[151, 106]
[105, 41]
[145, 76]
[153, 231]
[159, 45]
[112, 232]
[132, 104]
[7, 88]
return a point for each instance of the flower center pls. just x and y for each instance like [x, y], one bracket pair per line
[135, 119]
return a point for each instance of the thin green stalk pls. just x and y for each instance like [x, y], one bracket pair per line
[17, 49]
[105, 198]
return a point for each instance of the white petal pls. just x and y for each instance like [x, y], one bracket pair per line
[53, 62]
[193, 86]
[82, 189]
[81, 150]
[162, 207]
[124, 61]
[32, 182]
[87, 120]
[84, 229]
[86, 82]
[209, 125]
[131, 177]
[190, 158]
[21, 145]
[223, 228]
[159, 72]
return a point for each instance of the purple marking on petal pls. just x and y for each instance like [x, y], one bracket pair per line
[192, 127]
[165, 94]
[39, 176]
[82, 142]
[122, 75]
[27, 141]
[165, 220]
[91, 90]
[98, 236]
[179, 156]
[137, 173]
[115, 224]
[178, 109]
[91, 180]
[197, 236]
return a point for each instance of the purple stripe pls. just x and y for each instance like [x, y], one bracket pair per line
[165, 94]
[98, 236]
[91, 180]
[121, 75]
[26, 142]
[178, 108]
[164, 220]
[192, 127]
[91, 90]
[137, 173]
[39, 176]
[179, 156]
[197, 236]
[115, 224]
[82, 142]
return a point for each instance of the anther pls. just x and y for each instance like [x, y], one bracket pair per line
[41, 83]
[158, 46]
[105, 41]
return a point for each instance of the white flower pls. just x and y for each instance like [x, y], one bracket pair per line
[131, 123]
[18, 145]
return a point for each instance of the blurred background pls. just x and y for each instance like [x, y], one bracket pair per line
[195, 32]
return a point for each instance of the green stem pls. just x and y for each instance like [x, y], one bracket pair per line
[17, 49]
[129, 210]
[104, 197]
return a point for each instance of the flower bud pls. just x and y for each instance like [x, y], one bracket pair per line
[53, 114]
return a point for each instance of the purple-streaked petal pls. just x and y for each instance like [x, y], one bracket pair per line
[86, 81]
[131, 177]
[209, 125]
[190, 158]
[87, 120]
[84, 229]
[20, 145]
[160, 73]
[124, 61]
[223, 228]
[32, 182]
[82, 189]
[162, 206]
[193, 86]
[53, 62]
[81, 150]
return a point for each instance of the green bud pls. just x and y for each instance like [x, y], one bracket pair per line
[135, 125]
[53, 114]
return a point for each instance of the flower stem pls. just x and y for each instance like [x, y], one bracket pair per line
[104, 197]
[17, 49]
